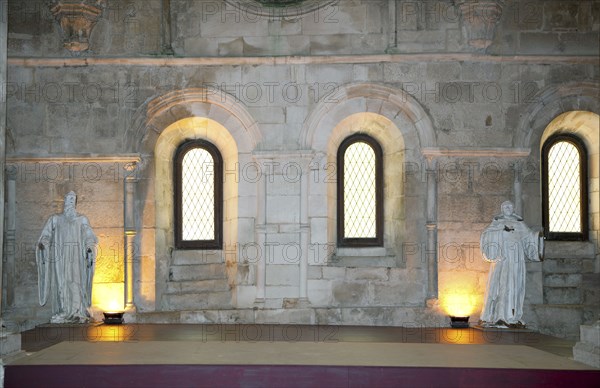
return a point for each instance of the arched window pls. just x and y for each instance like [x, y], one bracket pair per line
[360, 192]
[198, 196]
[564, 188]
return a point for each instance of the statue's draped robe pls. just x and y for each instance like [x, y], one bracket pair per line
[66, 267]
[507, 250]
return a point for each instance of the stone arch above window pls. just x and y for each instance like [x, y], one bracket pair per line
[156, 115]
[399, 107]
[285, 9]
[554, 102]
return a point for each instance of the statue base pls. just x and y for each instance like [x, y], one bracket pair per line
[91, 323]
[504, 328]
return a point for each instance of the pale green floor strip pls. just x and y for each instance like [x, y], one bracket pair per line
[299, 353]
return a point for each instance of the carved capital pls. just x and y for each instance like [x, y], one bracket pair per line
[11, 170]
[480, 18]
[77, 19]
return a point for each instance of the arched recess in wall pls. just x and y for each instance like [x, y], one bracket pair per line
[402, 128]
[572, 108]
[162, 125]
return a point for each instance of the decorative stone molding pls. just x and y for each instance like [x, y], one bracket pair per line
[480, 18]
[280, 9]
[303, 60]
[77, 19]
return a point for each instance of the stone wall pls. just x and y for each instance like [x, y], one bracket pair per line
[460, 124]
[220, 28]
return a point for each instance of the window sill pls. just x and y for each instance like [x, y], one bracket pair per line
[361, 252]
[197, 256]
[363, 257]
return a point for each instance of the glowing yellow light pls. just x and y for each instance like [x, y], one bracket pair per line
[108, 297]
[459, 303]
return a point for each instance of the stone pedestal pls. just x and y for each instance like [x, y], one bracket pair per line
[587, 350]
[480, 19]
[9, 343]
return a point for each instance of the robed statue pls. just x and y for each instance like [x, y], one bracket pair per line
[65, 256]
[507, 243]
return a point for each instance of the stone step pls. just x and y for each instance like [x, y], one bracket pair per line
[563, 280]
[198, 301]
[559, 320]
[551, 266]
[158, 317]
[197, 257]
[204, 316]
[192, 287]
[562, 295]
[570, 249]
[198, 272]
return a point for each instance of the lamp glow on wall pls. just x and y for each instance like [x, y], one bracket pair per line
[108, 297]
[459, 305]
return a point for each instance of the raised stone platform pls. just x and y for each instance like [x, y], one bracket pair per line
[588, 350]
[285, 363]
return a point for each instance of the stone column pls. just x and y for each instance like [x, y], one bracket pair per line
[9, 343]
[130, 233]
[166, 28]
[304, 226]
[517, 188]
[432, 251]
[393, 25]
[10, 233]
[261, 231]
[3, 80]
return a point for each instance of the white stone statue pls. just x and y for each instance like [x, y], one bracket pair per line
[507, 243]
[65, 256]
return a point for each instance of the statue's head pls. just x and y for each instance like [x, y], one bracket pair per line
[70, 199]
[507, 208]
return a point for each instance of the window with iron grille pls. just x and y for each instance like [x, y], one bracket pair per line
[198, 196]
[360, 192]
[564, 188]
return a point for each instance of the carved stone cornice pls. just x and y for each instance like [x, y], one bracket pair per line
[77, 20]
[480, 18]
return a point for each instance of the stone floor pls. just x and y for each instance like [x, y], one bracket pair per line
[299, 353]
[48, 335]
